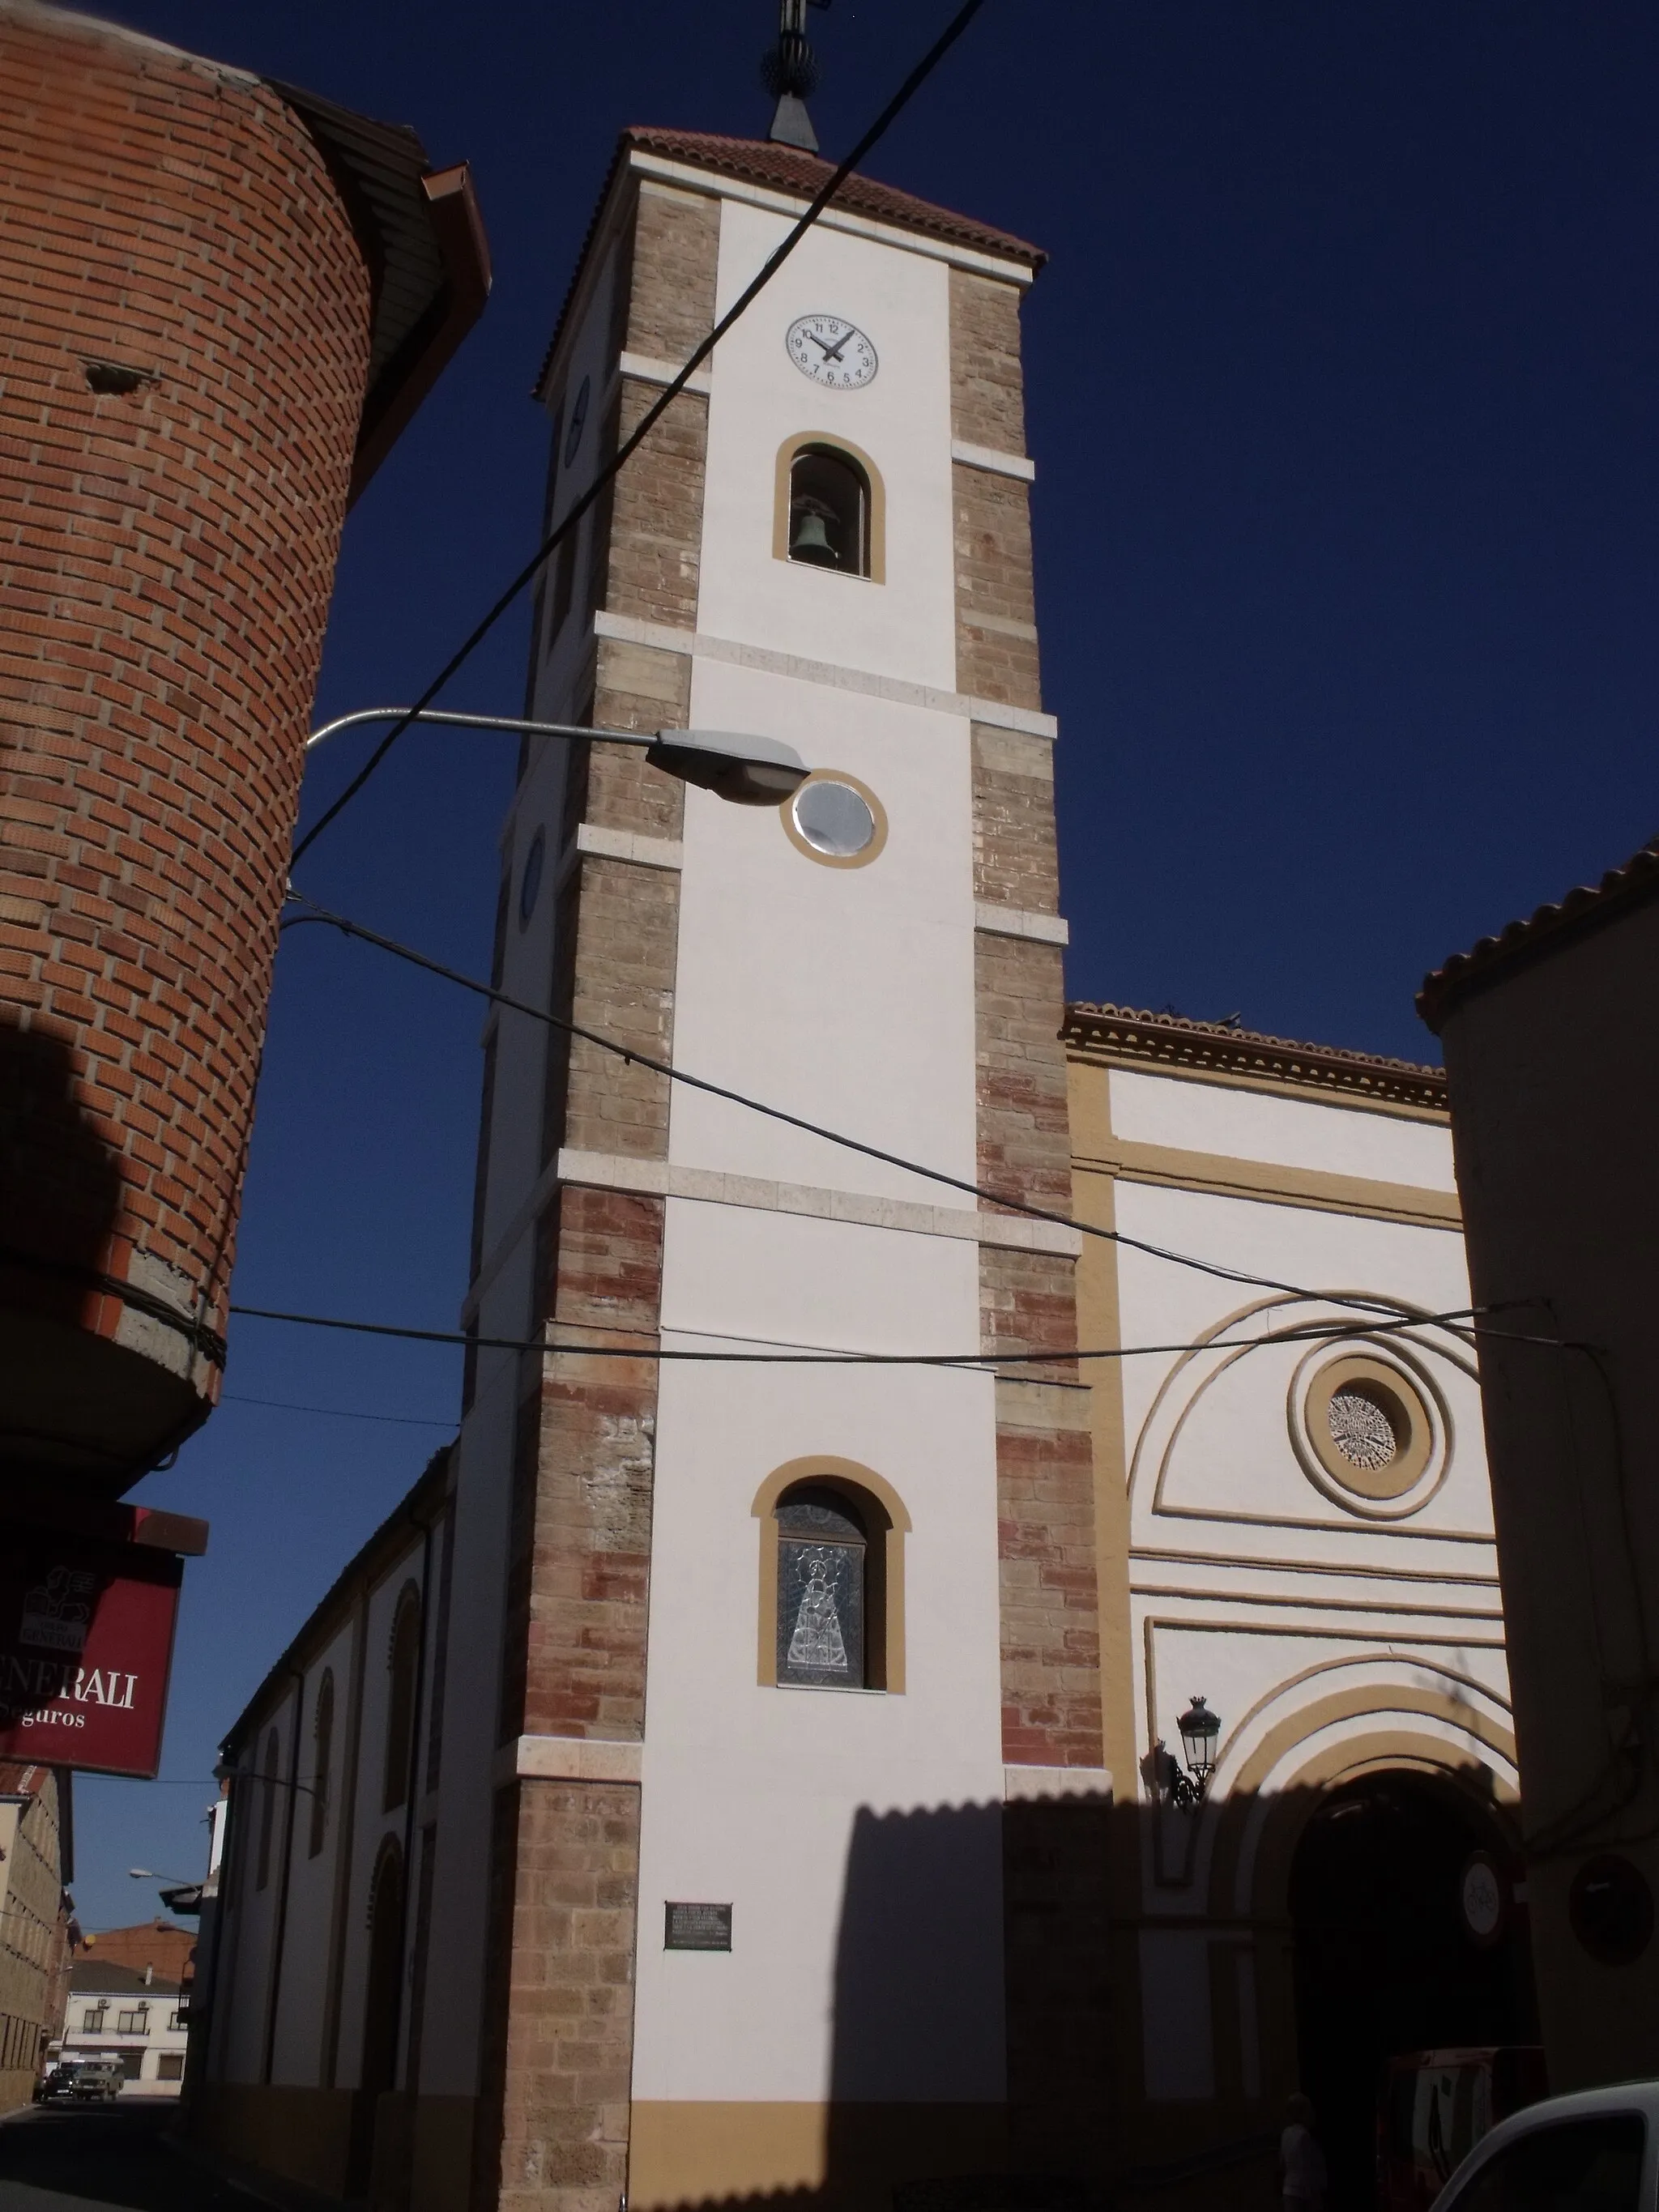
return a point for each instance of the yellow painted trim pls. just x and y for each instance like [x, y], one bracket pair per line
[887, 1616]
[877, 517]
[1232, 1352]
[1298, 1797]
[872, 851]
[1261, 1180]
[1311, 1720]
[684, 2153]
[1277, 1086]
[1370, 1489]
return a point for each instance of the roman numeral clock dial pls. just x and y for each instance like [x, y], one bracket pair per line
[832, 351]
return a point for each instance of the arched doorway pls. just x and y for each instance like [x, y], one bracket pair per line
[382, 2011]
[1383, 1963]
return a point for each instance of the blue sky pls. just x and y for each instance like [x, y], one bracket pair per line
[1342, 389]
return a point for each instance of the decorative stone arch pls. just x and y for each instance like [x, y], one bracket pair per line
[880, 1505]
[382, 2006]
[405, 1651]
[875, 570]
[1263, 1794]
[1205, 1364]
[1404, 1748]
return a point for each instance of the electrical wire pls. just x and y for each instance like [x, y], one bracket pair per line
[1305, 1332]
[334, 1412]
[918, 76]
[324, 915]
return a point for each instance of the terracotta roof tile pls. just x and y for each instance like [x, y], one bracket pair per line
[789, 169]
[1545, 930]
[1174, 1041]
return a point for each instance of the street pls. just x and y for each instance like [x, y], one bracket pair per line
[61, 2160]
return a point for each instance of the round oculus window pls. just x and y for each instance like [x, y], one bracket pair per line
[530, 882]
[836, 819]
[1374, 1437]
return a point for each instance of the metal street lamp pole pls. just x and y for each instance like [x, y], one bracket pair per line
[748, 770]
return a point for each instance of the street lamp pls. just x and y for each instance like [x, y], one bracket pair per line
[750, 771]
[1200, 1729]
[177, 1894]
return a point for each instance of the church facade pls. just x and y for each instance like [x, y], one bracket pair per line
[747, 1763]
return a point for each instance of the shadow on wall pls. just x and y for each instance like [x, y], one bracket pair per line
[1351, 1925]
[60, 1183]
[60, 1195]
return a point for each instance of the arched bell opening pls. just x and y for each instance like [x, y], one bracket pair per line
[829, 508]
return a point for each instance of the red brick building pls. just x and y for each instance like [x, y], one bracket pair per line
[220, 299]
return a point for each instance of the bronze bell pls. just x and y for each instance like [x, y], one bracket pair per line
[811, 541]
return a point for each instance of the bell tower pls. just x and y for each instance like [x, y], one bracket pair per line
[788, 1645]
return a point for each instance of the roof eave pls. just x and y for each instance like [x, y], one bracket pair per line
[1546, 931]
[422, 240]
[1174, 1043]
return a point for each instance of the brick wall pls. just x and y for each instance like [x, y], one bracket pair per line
[996, 602]
[1051, 1694]
[557, 2100]
[167, 554]
[1055, 1897]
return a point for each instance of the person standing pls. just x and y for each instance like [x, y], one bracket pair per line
[1301, 2162]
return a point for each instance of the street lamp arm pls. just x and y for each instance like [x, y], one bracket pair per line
[736, 765]
[641, 738]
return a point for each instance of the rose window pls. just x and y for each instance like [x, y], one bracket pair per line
[1361, 1430]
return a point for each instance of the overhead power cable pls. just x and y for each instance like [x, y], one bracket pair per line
[336, 1413]
[1000, 1199]
[1302, 1333]
[918, 76]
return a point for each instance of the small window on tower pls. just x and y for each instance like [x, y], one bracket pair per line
[829, 511]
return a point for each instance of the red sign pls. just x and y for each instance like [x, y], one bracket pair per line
[85, 1645]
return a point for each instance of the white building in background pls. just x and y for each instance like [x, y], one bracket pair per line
[732, 1771]
[130, 2016]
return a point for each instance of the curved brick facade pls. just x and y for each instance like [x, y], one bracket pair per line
[167, 553]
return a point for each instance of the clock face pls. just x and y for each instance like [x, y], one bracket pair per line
[831, 351]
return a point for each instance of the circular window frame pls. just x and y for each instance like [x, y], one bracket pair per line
[872, 851]
[1419, 1467]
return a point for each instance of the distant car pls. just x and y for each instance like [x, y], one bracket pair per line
[1434, 2105]
[1594, 2152]
[56, 2084]
[97, 2081]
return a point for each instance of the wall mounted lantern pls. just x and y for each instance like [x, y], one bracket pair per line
[1199, 1730]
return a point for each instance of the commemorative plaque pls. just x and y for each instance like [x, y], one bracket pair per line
[697, 1928]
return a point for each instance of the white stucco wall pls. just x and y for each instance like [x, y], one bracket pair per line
[845, 995]
[1251, 1582]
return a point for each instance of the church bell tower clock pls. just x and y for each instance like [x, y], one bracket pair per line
[790, 1642]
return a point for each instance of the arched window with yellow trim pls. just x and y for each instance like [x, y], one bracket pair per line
[832, 1582]
[830, 507]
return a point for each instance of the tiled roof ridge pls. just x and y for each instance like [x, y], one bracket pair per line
[1178, 1039]
[792, 169]
[786, 169]
[1585, 906]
